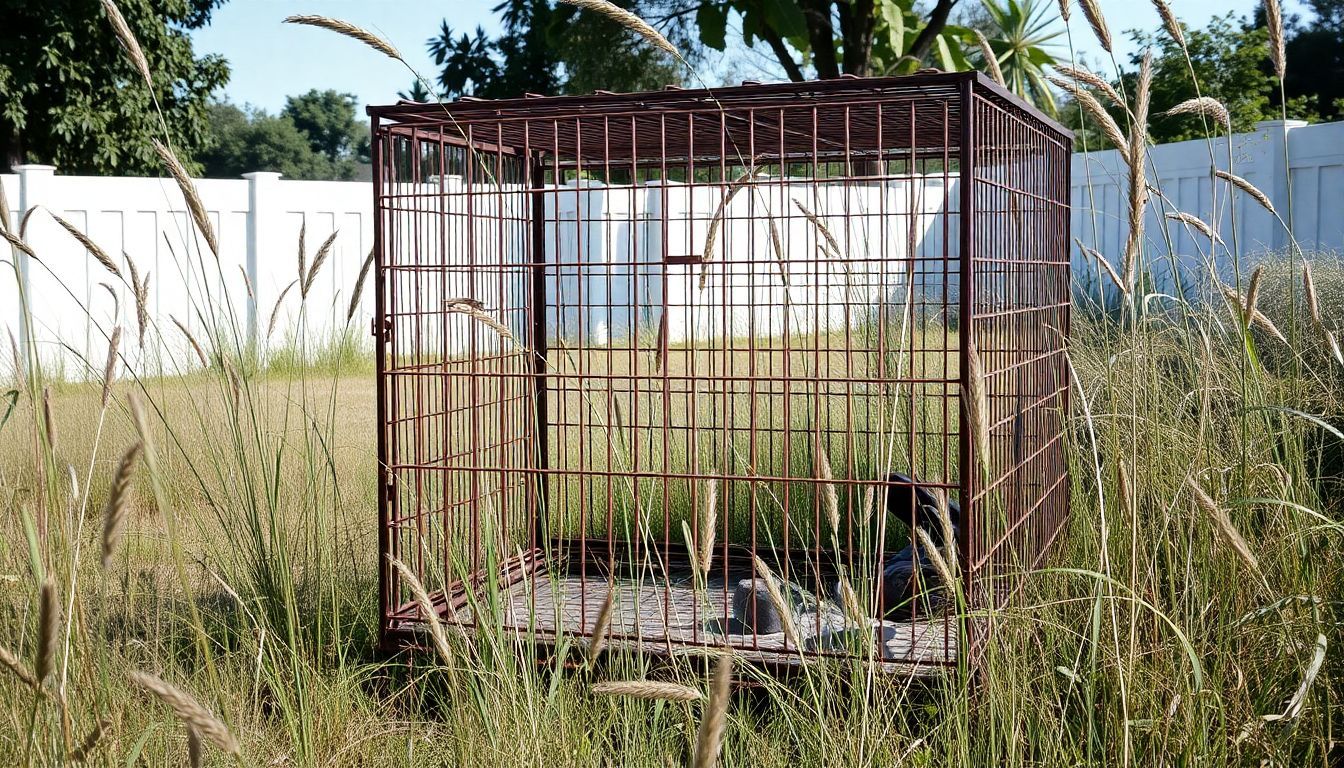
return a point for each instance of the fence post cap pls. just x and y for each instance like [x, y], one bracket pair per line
[1267, 125]
[35, 168]
[262, 175]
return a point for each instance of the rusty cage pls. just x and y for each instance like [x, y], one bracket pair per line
[662, 349]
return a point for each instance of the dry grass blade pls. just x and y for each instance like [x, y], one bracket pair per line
[1198, 224]
[188, 710]
[1097, 21]
[1274, 23]
[1170, 22]
[349, 30]
[17, 667]
[49, 630]
[194, 205]
[716, 221]
[200, 353]
[1299, 699]
[628, 20]
[977, 406]
[709, 522]
[114, 511]
[1204, 106]
[709, 737]
[777, 599]
[1257, 318]
[427, 610]
[98, 253]
[1093, 80]
[1109, 128]
[1223, 524]
[275, 310]
[648, 689]
[110, 367]
[1248, 188]
[1126, 489]
[991, 60]
[1096, 256]
[48, 419]
[470, 308]
[603, 622]
[128, 40]
[90, 741]
[323, 252]
[359, 286]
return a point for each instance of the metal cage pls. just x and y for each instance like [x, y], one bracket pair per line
[694, 364]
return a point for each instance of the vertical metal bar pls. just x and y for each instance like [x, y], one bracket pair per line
[384, 477]
[538, 346]
[970, 522]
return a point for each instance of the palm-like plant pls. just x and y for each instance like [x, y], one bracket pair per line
[1020, 32]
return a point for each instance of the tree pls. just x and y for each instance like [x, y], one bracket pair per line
[69, 96]
[833, 37]
[316, 136]
[1019, 33]
[1315, 55]
[1229, 59]
[547, 48]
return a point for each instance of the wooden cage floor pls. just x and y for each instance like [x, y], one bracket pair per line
[663, 614]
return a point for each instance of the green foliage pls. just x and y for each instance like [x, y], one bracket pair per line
[70, 97]
[1315, 54]
[547, 47]
[316, 136]
[1020, 33]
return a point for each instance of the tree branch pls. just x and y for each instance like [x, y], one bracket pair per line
[937, 21]
[821, 36]
[781, 51]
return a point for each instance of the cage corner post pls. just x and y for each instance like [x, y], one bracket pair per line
[538, 348]
[379, 331]
[968, 639]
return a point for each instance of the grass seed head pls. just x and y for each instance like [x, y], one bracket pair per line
[628, 20]
[49, 629]
[114, 511]
[349, 30]
[648, 689]
[709, 737]
[110, 367]
[16, 666]
[194, 205]
[188, 710]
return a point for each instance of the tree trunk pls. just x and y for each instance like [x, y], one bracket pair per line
[923, 43]
[11, 149]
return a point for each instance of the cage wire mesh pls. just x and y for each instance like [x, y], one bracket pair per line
[703, 356]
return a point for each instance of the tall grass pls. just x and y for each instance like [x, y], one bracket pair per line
[1190, 616]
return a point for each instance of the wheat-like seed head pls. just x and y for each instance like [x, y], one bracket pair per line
[358, 290]
[194, 205]
[1204, 106]
[247, 282]
[715, 221]
[603, 622]
[17, 667]
[428, 612]
[1198, 224]
[1257, 317]
[323, 251]
[628, 20]
[110, 367]
[195, 345]
[195, 749]
[709, 737]
[977, 406]
[349, 30]
[98, 253]
[1223, 524]
[1064, 10]
[1109, 128]
[1309, 285]
[1138, 182]
[49, 629]
[140, 292]
[17, 242]
[815, 220]
[777, 599]
[829, 495]
[128, 40]
[1097, 21]
[1093, 80]
[1126, 489]
[1170, 22]
[275, 310]
[90, 741]
[469, 308]
[1096, 256]
[114, 511]
[303, 251]
[648, 689]
[709, 524]
[1253, 292]
[991, 60]
[935, 556]
[1274, 22]
[1248, 188]
[854, 612]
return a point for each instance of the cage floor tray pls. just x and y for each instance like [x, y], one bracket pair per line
[661, 614]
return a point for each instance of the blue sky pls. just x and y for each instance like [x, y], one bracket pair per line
[271, 60]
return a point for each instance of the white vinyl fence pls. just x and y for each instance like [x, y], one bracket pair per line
[75, 302]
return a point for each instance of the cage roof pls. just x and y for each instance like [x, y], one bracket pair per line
[849, 116]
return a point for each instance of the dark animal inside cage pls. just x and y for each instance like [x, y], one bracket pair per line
[700, 364]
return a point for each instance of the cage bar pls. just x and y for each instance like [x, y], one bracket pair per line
[659, 349]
